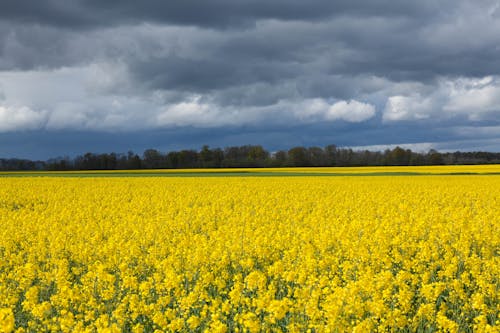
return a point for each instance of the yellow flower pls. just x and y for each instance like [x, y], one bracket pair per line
[251, 253]
[7, 321]
[193, 322]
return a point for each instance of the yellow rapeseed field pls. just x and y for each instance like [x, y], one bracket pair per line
[250, 254]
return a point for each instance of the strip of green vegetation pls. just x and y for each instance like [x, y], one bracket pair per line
[229, 174]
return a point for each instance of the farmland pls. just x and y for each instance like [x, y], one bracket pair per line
[357, 249]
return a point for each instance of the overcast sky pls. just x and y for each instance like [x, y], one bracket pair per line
[102, 76]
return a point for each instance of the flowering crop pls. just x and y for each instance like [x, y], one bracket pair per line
[235, 254]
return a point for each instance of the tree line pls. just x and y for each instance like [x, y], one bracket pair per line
[254, 156]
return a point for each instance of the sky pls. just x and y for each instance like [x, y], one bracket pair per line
[103, 76]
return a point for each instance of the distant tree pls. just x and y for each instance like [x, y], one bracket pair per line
[257, 156]
[331, 155]
[399, 156]
[206, 157]
[250, 156]
[417, 159]
[236, 156]
[366, 157]
[298, 156]
[173, 159]
[344, 157]
[152, 159]
[231, 157]
[133, 161]
[434, 157]
[218, 157]
[188, 159]
[210, 158]
[110, 161]
[317, 156]
[89, 162]
[257, 153]
[280, 158]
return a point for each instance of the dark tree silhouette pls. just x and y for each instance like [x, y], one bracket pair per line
[250, 156]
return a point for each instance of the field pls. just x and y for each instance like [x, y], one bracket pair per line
[264, 172]
[355, 250]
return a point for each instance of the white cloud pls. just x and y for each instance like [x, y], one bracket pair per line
[319, 109]
[95, 96]
[102, 96]
[67, 115]
[20, 118]
[204, 113]
[476, 99]
[352, 111]
[407, 108]
[192, 112]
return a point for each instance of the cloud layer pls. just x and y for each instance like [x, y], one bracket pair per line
[225, 66]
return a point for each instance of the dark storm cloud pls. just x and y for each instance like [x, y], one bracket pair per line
[214, 13]
[200, 75]
[257, 71]
[404, 40]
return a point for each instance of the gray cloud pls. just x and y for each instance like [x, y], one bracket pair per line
[217, 13]
[162, 65]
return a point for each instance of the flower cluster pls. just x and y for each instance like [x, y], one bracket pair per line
[250, 254]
